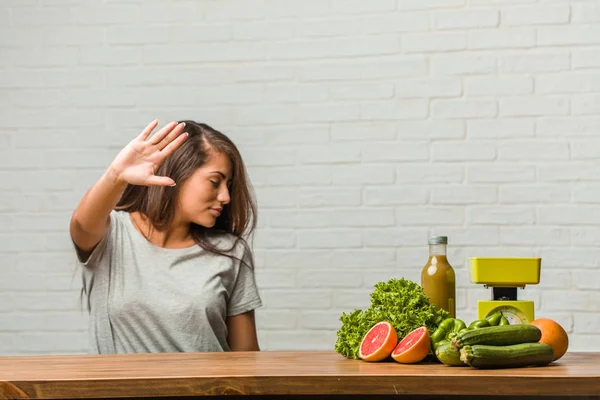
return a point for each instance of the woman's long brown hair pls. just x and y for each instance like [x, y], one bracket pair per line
[157, 203]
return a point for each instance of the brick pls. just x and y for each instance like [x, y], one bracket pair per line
[269, 157]
[500, 128]
[291, 176]
[537, 150]
[566, 215]
[320, 320]
[360, 131]
[47, 322]
[327, 112]
[329, 279]
[585, 104]
[379, 45]
[464, 108]
[295, 93]
[568, 126]
[108, 14]
[297, 299]
[502, 38]
[54, 56]
[502, 215]
[457, 194]
[586, 13]
[499, 2]
[393, 67]
[329, 70]
[203, 52]
[297, 134]
[267, 30]
[393, 237]
[365, 218]
[303, 258]
[568, 173]
[430, 173]
[538, 194]
[278, 197]
[331, 27]
[360, 91]
[570, 258]
[351, 175]
[572, 82]
[381, 151]
[534, 106]
[395, 22]
[260, 73]
[395, 196]
[443, 87]
[405, 5]
[584, 150]
[534, 236]
[501, 174]
[433, 42]
[430, 214]
[586, 279]
[329, 239]
[568, 35]
[535, 62]
[204, 33]
[463, 151]
[360, 7]
[329, 197]
[238, 10]
[274, 319]
[301, 340]
[264, 115]
[431, 129]
[300, 219]
[485, 86]
[569, 301]
[585, 58]
[466, 19]
[55, 343]
[536, 15]
[363, 258]
[271, 238]
[586, 194]
[315, 48]
[474, 235]
[394, 109]
[585, 236]
[276, 279]
[586, 323]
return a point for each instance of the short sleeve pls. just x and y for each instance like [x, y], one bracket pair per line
[100, 249]
[245, 296]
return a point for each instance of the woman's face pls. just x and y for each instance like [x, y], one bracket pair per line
[204, 194]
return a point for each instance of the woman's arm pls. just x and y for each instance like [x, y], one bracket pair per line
[242, 332]
[135, 165]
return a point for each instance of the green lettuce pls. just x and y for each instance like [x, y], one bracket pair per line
[399, 301]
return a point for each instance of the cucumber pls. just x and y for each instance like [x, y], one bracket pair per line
[501, 335]
[513, 356]
[448, 355]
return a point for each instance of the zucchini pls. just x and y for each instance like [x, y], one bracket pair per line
[501, 335]
[512, 356]
[448, 355]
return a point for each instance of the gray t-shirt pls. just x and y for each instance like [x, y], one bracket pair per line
[147, 299]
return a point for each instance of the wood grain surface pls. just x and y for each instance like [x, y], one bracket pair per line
[281, 373]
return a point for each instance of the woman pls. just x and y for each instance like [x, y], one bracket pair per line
[161, 240]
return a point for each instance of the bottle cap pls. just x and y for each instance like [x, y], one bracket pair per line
[438, 240]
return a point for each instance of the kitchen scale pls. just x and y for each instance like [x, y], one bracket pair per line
[504, 276]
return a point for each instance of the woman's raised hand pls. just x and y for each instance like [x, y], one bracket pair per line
[137, 163]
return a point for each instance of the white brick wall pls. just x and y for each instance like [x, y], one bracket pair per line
[366, 125]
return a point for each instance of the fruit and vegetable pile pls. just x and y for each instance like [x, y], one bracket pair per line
[402, 326]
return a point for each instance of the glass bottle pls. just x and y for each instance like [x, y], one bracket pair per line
[437, 277]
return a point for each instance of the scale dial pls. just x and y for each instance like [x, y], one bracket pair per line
[512, 314]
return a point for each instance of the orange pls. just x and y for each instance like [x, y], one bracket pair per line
[553, 335]
[378, 342]
[414, 347]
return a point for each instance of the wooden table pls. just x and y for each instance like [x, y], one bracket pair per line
[321, 374]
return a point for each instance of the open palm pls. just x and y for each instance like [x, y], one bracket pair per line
[138, 162]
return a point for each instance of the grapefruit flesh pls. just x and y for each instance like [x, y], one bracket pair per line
[414, 347]
[378, 342]
[554, 335]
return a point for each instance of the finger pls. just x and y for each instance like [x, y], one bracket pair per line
[148, 130]
[158, 136]
[171, 136]
[171, 147]
[155, 180]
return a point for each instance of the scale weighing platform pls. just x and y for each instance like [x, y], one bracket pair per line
[504, 276]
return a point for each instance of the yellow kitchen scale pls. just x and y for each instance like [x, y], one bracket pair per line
[504, 276]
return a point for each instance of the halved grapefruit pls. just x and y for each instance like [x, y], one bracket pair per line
[414, 347]
[378, 342]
